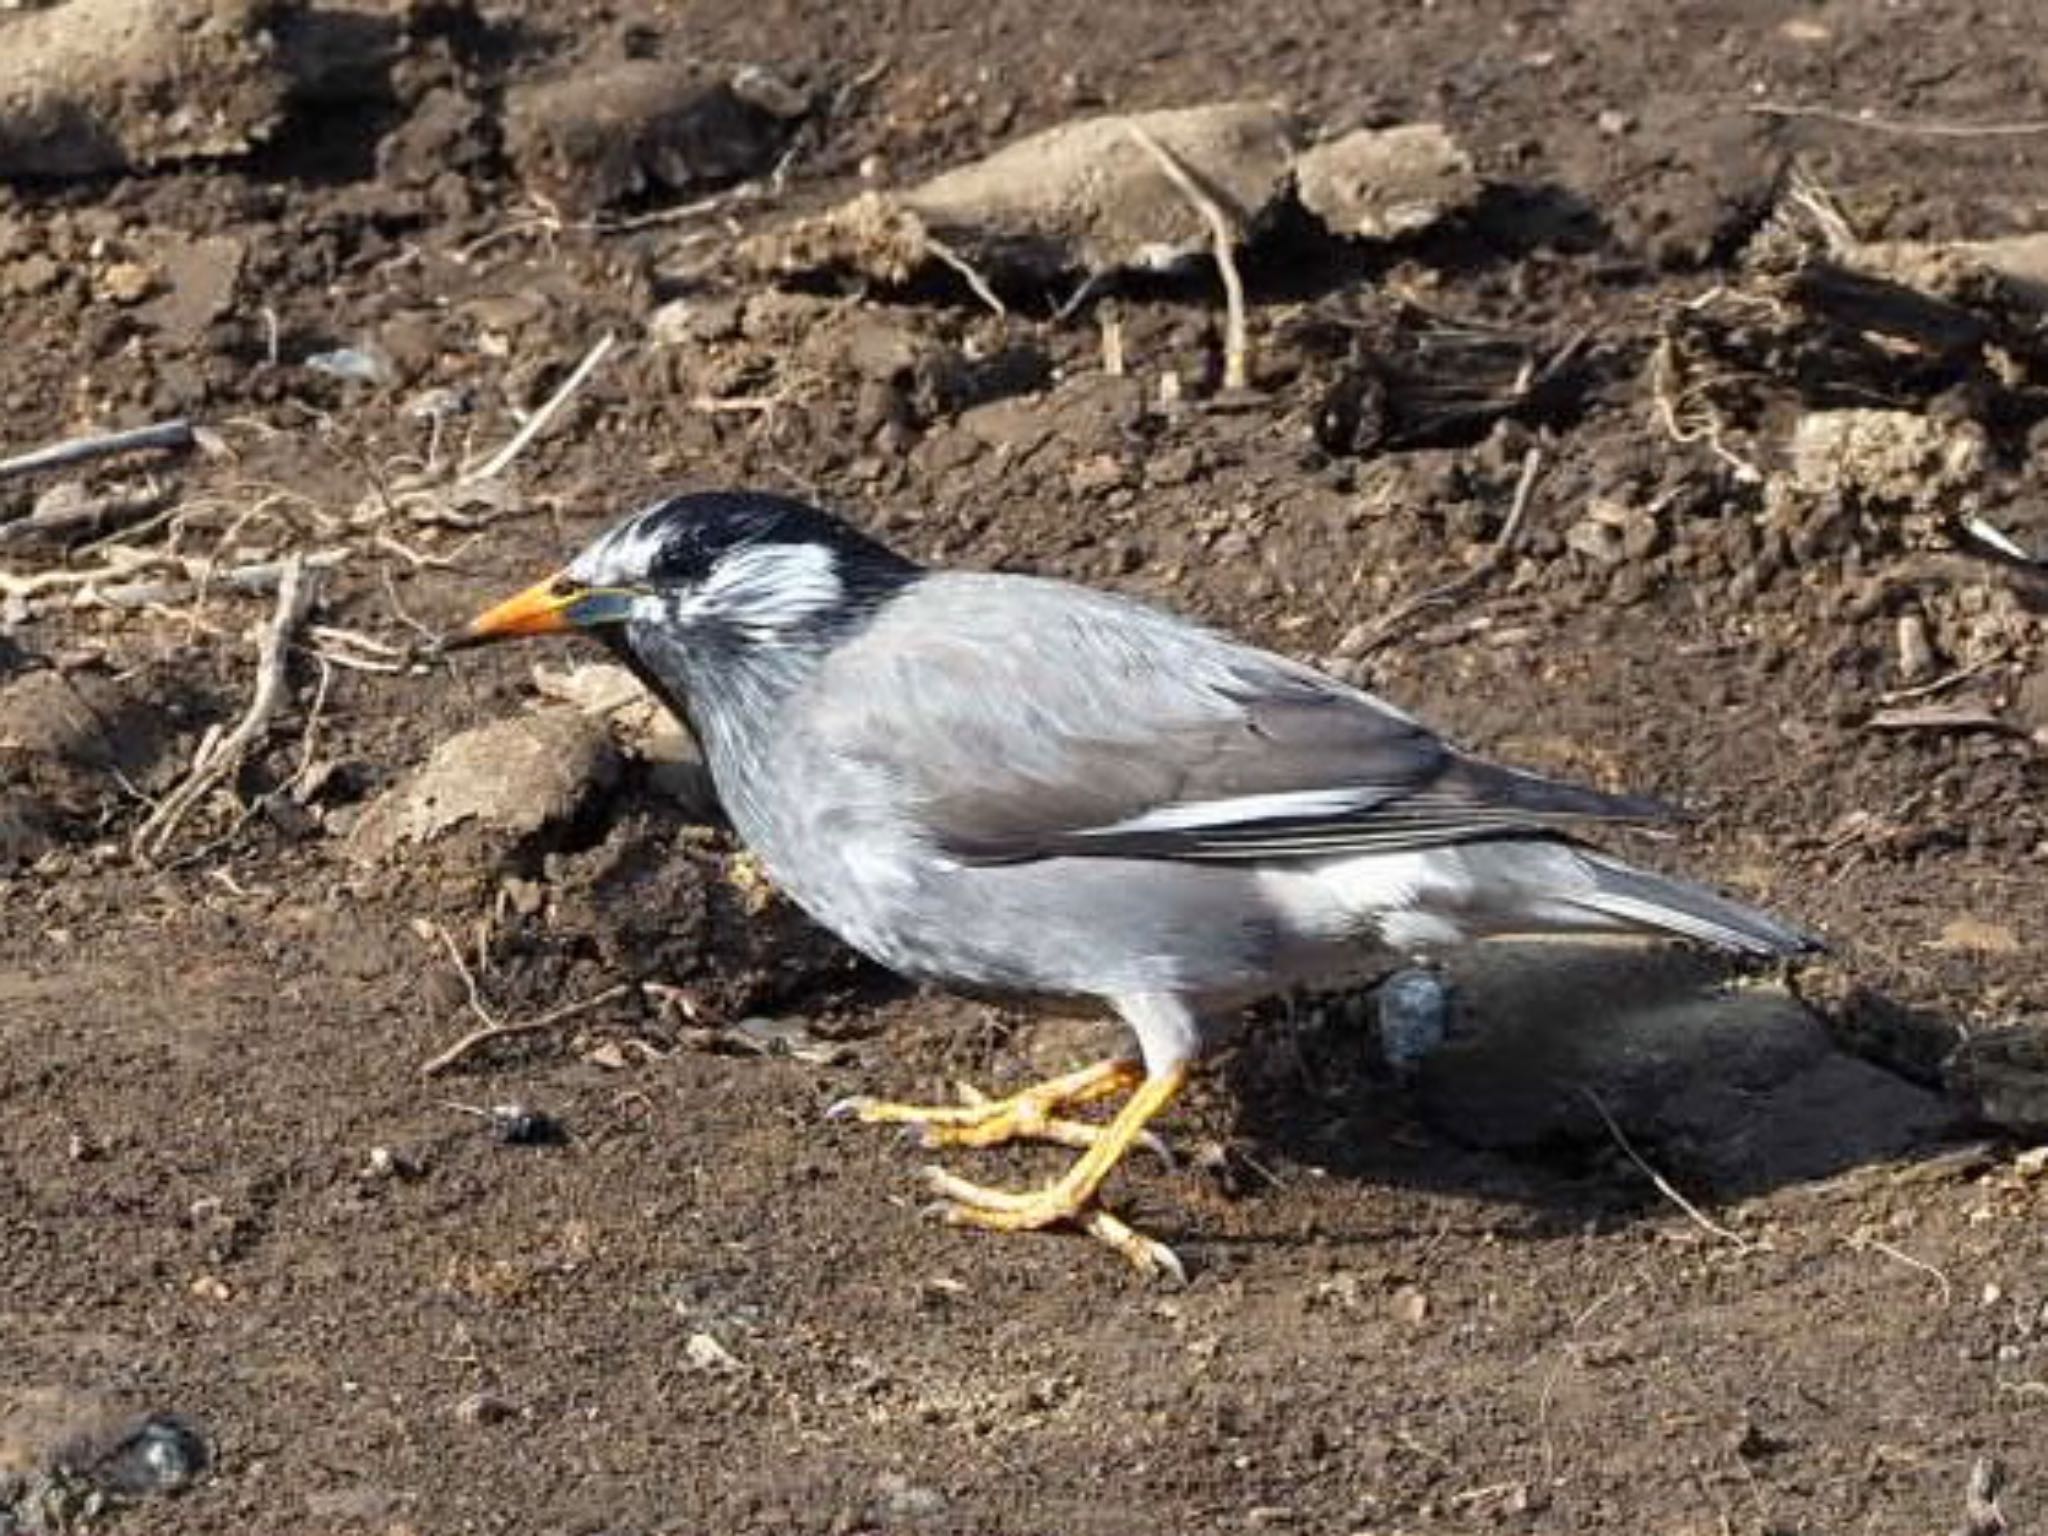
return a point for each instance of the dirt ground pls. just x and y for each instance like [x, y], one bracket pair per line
[228, 1192]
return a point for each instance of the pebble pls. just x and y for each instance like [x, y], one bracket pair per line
[518, 1125]
[707, 1354]
[1916, 651]
[127, 282]
[482, 1408]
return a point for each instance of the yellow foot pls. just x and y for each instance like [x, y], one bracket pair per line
[966, 1204]
[1031, 1114]
[1071, 1200]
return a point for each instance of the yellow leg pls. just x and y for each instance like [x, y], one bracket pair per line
[1071, 1198]
[1030, 1114]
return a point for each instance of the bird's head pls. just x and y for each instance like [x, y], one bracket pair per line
[716, 571]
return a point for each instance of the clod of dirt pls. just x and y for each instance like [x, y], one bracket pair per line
[1956, 269]
[1381, 184]
[642, 726]
[594, 140]
[71, 744]
[447, 131]
[200, 281]
[25, 832]
[1685, 189]
[106, 85]
[1741, 1085]
[502, 784]
[1095, 194]
[1083, 196]
[2002, 1077]
[1887, 459]
[685, 906]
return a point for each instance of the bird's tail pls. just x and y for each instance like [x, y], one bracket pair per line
[1635, 898]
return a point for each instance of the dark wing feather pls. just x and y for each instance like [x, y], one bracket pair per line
[1028, 719]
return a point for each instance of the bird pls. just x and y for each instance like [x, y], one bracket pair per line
[1014, 786]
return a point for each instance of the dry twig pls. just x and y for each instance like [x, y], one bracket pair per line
[1496, 556]
[1945, 682]
[1981, 1513]
[1665, 1187]
[1861, 1241]
[502, 1028]
[976, 283]
[1933, 128]
[1236, 345]
[537, 423]
[219, 760]
[174, 435]
[1937, 717]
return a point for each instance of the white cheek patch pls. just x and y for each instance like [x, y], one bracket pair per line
[772, 587]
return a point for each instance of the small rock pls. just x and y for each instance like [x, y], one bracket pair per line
[518, 1125]
[672, 324]
[1410, 1306]
[439, 404]
[157, 1455]
[484, 1408]
[707, 1354]
[1597, 541]
[1916, 650]
[355, 365]
[898, 1499]
[126, 283]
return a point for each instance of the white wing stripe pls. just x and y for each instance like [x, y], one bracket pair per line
[1199, 815]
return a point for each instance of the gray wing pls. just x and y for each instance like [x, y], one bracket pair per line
[1025, 719]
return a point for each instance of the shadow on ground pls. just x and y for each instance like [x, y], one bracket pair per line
[1562, 1060]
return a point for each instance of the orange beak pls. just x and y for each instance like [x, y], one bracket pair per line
[549, 607]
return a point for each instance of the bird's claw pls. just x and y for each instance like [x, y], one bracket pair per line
[961, 1203]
